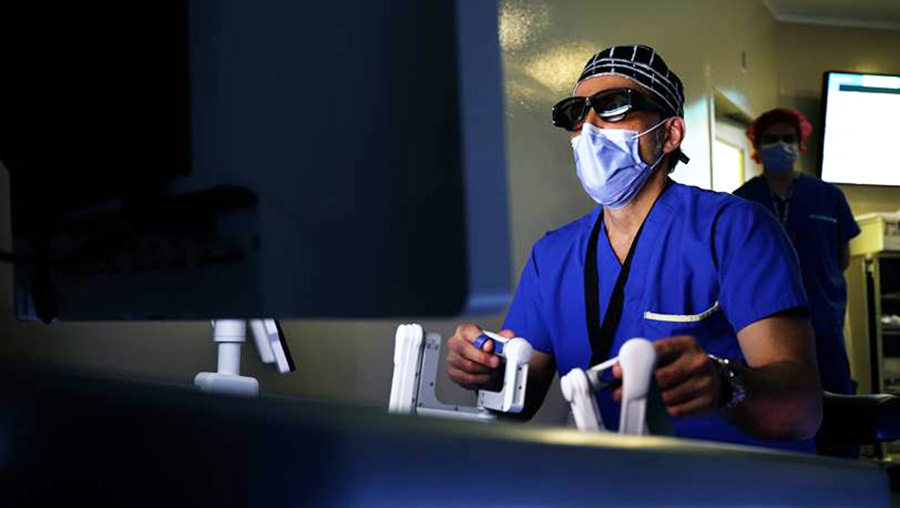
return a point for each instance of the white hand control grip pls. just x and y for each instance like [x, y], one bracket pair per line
[637, 359]
[511, 398]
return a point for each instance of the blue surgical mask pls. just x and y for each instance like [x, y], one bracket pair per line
[779, 158]
[609, 164]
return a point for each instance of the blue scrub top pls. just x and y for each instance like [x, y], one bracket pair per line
[707, 264]
[818, 221]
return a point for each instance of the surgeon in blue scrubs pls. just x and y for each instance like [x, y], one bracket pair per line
[819, 222]
[711, 279]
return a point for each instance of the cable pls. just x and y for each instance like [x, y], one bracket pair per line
[8, 257]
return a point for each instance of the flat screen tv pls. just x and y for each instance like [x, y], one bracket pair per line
[861, 128]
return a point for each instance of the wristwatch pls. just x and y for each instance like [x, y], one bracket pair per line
[733, 389]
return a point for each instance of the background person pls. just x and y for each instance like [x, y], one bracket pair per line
[819, 222]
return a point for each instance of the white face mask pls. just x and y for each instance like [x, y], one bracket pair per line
[609, 164]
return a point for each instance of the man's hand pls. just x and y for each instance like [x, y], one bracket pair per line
[469, 366]
[472, 368]
[686, 376]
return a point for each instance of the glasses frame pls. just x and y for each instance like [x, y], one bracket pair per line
[635, 101]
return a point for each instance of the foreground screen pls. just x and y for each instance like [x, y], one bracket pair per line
[255, 158]
[861, 112]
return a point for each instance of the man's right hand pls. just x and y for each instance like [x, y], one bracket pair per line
[469, 366]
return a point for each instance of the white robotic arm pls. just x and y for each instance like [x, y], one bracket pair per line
[229, 335]
[576, 389]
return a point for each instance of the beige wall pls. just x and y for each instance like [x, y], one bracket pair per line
[546, 42]
[805, 52]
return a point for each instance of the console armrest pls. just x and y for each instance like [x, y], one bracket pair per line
[860, 419]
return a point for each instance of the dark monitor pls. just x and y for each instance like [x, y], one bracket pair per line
[248, 158]
[851, 154]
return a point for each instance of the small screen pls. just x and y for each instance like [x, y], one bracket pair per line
[861, 128]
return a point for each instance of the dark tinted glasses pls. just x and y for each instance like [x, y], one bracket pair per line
[609, 105]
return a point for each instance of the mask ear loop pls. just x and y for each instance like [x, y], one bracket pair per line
[662, 153]
[651, 129]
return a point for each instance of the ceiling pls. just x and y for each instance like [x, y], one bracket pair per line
[883, 14]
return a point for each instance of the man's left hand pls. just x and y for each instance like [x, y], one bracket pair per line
[686, 376]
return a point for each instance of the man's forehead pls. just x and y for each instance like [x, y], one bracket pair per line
[596, 84]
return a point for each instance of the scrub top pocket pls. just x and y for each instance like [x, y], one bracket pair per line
[709, 327]
[822, 230]
[682, 318]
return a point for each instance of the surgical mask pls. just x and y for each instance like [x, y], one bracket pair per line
[779, 158]
[609, 164]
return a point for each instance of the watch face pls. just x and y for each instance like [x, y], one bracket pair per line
[736, 383]
[725, 381]
[733, 392]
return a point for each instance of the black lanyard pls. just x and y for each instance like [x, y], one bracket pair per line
[601, 335]
[782, 217]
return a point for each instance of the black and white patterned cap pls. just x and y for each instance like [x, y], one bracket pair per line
[642, 65]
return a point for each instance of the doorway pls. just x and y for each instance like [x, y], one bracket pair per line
[731, 163]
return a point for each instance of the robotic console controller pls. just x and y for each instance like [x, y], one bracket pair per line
[416, 356]
[229, 335]
[643, 411]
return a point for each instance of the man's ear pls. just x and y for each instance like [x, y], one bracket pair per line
[674, 134]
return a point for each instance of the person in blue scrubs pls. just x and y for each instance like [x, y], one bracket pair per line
[819, 223]
[710, 278]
